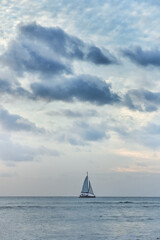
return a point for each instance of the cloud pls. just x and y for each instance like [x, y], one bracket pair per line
[15, 89]
[83, 133]
[62, 43]
[14, 122]
[15, 152]
[143, 57]
[135, 136]
[49, 52]
[91, 132]
[96, 56]
[84, 88]
[153, 129]
[22, 57]
[66, 45]
[149, 135]
[10, 151]
[5, 86]
[78, 113]
[142, 100]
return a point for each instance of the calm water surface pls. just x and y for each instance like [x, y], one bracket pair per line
[71, 218]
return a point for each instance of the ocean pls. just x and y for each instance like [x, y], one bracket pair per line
[72, 218]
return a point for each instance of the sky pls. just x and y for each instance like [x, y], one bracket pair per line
[79, 91]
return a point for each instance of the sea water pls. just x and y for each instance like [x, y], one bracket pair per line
[71, 218]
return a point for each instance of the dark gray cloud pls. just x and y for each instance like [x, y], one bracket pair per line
[96, 56]
[142, 100]
[5, 86]
[49, 52]
[21, 92]
[23, 58]
[14, 122]
[12, 88]
[143, 57]
[83, 88]
[37, 63]
[62, 43]
[66, 45]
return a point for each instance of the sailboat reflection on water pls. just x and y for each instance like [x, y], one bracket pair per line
[87, 191]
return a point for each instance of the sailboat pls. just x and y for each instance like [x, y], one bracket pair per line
[87, 191]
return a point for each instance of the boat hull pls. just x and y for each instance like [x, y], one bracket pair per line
[87, 196]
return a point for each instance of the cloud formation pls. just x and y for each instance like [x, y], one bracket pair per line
[143, 57]
[91, 132]
[49, 53]
[83, 88]
[14, 122]
[142, 100]
[83, 133]
[46, 51]
[66, 45]
[146, 135]
[15, 89]
[22, 57]
[5, 86]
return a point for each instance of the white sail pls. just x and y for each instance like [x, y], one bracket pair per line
[85, 186]
[90, 190]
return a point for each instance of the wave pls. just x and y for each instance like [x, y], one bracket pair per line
[24, 207]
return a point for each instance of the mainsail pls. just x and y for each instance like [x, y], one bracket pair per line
[85, 185]
[87, 190]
